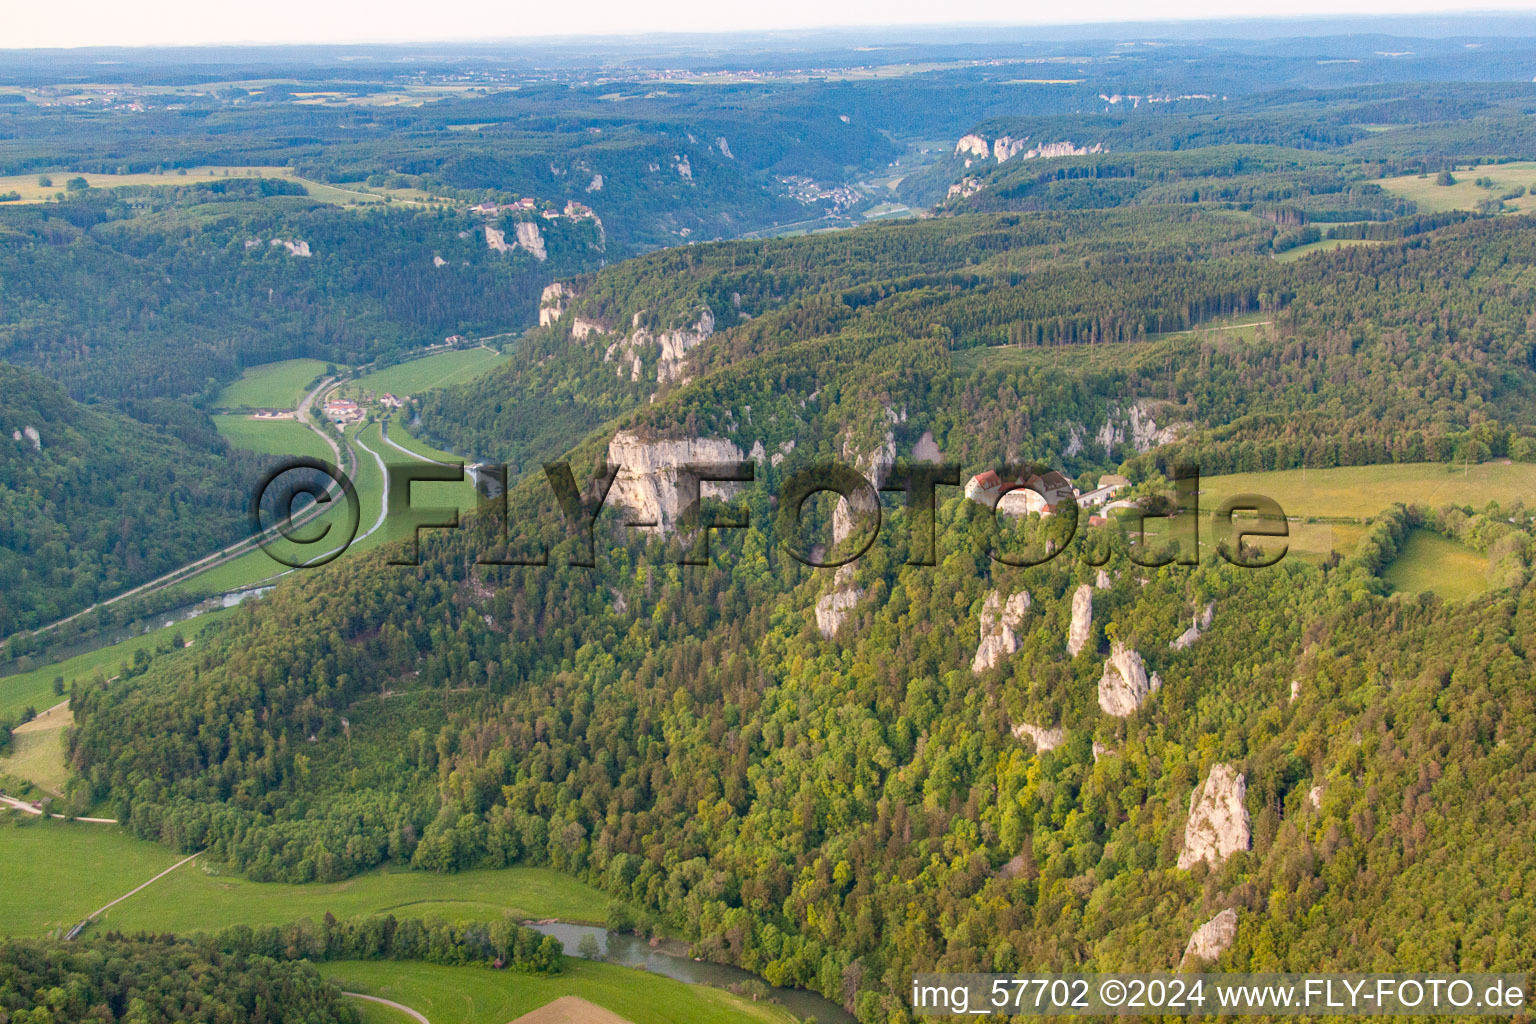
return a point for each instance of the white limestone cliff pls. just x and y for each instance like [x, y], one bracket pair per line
[496, 239]
[999, 619]
[1213, 938]
[1125, 684]
[647, 480]
[1102, 581]
[875, 466]
[1198, 625]
[531, 239]
[552, 303]
[596, 184]
[1045, 739]
[674, 346]
[835, 606]
[31, 434]
[295, 246]
[974, 145]
[1136, 424]
[1082, 620]
[683, 167]
[1218, 823]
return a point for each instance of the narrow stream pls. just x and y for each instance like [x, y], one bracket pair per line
[670, 958]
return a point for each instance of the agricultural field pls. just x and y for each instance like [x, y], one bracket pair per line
[1359, 492]
[1325, 245]
[435, 371]
[1466, 194]
[1439, 565]
[271, 436]
[277, 385]
[479, 995]
[202, 897]
[37, 751]
[57, 872]
[33, 192]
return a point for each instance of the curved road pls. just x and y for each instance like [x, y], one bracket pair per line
[419, 1018]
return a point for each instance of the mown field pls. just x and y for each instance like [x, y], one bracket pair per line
[1431, 563]
[58, 872]
[271, 437]
[37, 751]
[277, 385]
[434, 371]
[1363, 491]
[479, 995]
[59, 878]
[1465, 194]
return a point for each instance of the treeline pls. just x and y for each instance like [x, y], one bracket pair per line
[502, 943]
[147, 980]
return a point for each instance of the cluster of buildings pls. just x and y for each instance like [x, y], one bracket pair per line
[1044, 493]
[342, 411]
[527, 204]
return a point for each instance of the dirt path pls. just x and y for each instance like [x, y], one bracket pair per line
[419, 1018]
[102, 910]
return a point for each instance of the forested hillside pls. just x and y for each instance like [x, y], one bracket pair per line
[825, 776]
[93, 501]
[170, 292]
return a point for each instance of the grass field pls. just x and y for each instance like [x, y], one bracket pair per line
[198, 897]
[1323, 246]
[277, 385]
[1464, 195]
[435, 371]
[1430, 562]
[1363, 491]
[37, 751]
[56, 872]
[271, 437]
[31, 192]
[34, 687]
[479, 995]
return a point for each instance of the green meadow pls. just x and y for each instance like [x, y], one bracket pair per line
[1465, 194]
[479, 995]
[277, 385]
[271, 437]
[1432, 563]
[1359, 492]
[434, 371]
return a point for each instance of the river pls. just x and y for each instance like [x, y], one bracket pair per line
[670, 958]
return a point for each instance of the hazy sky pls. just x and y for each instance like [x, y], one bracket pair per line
[25, 23]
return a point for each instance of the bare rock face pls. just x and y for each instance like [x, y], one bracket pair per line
[1100, 750]
[974, 145]
[1102, 581]
[1213, 938]
[647, 481]
[531, 239]
[1315, 797]
[1134, 424]
[30, 433]
[1198, 625]
[1082, 620]
[674, 345]
[875, 466]
[1125, 684]
[1045, 739]
[552, 303]
[998, 621]
[1218, 819]
[1295, 690]
[835, 606]
[926, 449]
[496, 239]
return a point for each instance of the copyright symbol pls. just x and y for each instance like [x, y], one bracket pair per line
[277, 492]
[1112, 992]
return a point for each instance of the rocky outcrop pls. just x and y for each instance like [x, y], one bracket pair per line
[496, 239]
[1198, 625]
[674, 346]
[581, 327]
[1102, 581]
[964, 188]
[835, 606]
[927, 450]
[438, 261]
[295, 246]
[975, 145]
[724, 147]
[1218, 819]
[1315, 797]
[1045, 739]
[999, 619]
[1213, 938]
[596, 184]
[683, 168]
[1082, 620]
[1100, 750]
[531, 239]
[1125, 683]
[1134, 424]
[647, 480]
[552, 303]
[875, 466]
[1295, 690]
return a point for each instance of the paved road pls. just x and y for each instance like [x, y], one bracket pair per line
[102, 910]
[419, 1018]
